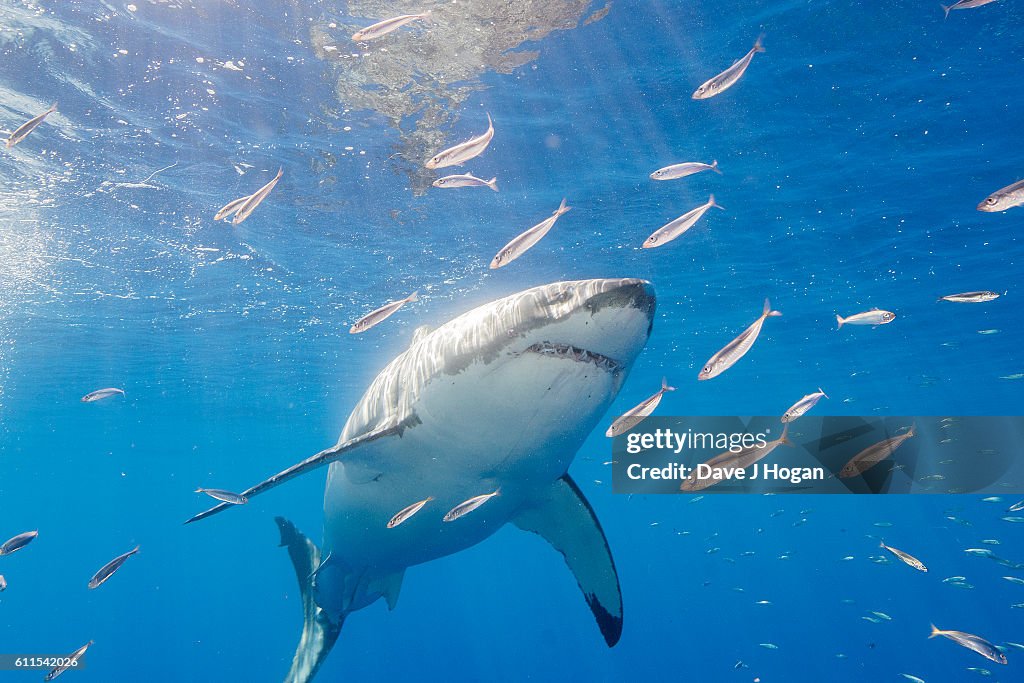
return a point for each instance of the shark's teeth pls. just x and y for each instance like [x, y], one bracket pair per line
[579, 355]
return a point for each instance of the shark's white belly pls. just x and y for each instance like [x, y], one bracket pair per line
[471, 439]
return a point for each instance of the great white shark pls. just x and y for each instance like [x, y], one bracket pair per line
[499, 398]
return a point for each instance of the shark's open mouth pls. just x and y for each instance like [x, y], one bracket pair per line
[579, 355]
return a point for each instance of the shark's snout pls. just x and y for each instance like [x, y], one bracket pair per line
[601, 322]
[624, 292]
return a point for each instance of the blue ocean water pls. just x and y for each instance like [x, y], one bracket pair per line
[854, 152]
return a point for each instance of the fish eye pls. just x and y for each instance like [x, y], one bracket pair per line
[707, 368]
[990, 201]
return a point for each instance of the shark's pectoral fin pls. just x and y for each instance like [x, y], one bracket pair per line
[564, 518]
[322, 458]
[318, 630]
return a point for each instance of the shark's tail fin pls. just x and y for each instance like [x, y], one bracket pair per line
[318, 631]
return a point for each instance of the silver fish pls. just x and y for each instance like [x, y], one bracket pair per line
[674, 229]
[634, 416]
[381, 314]
[1016, 507]
[464, 151]
[972, 642]
[741, 459]
[801, 407]
[965, 4]
[226, 496]
[875, 316]
[382, 28]
[912, 678]
[24, 129]
[107, 570]
[682, 170]
[466, 180]
[1006, 198]
[254, 200]
[737, 348]
[1014, 579]
[970, 297]
[522, 242]
[3, 583]
[100, 394]
[872, 455]
[408, 512]
[468, 506]
[727, 79]
[906, 558]
[231, 207]
[71, 661]
[18, 542]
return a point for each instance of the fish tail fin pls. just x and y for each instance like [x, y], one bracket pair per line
[563, 208]
[714, 167]
[490, 124]
[53, 108]
[280, 172]
[493, 183]
[881, 544]
[913, 427]
[768, 312]
[935, 632]
[712, 202]
[839, 319]
[319, 631]
[665, 386]
[946, 9]
[823, 393]
[415, 296]
[758, 47]
[784, 438]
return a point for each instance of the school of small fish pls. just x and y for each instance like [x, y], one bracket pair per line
[240, 209]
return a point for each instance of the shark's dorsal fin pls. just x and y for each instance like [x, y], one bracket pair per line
[419, 333]
[564, 518]
[322, 458]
